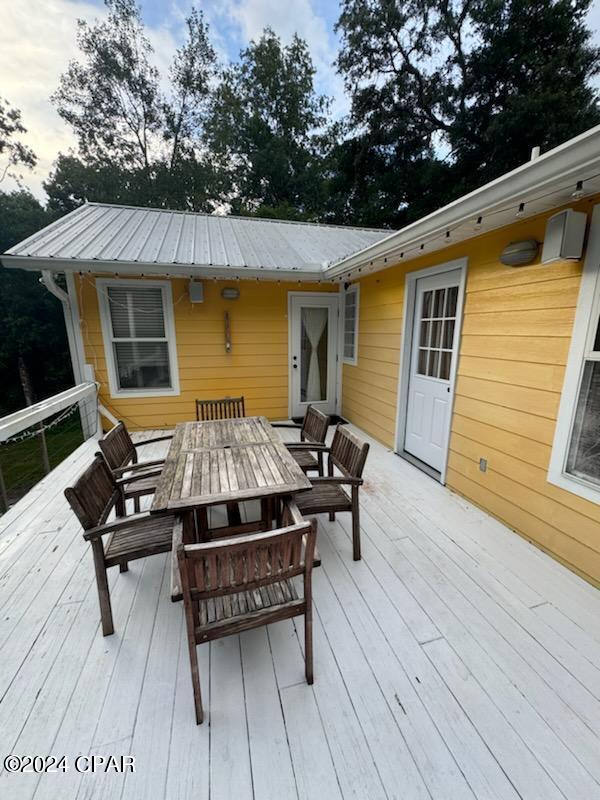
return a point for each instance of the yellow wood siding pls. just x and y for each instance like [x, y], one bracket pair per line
[515, 339]
[256, 367]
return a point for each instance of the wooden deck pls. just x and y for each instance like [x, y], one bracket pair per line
[455, 661]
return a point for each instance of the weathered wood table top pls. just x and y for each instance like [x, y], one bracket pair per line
[222, 461]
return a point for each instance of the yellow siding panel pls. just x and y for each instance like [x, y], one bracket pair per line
[515, 341]
[256, 367]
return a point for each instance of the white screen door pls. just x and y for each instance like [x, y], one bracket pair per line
[434, 345]
[313, 350]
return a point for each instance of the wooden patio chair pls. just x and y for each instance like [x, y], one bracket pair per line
[224, 408]
[237, 584]
[94, 495]
[314, 430]
[327, 495]
[120, 453]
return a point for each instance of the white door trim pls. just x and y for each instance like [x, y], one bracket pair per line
[406, 348]
[338, 365]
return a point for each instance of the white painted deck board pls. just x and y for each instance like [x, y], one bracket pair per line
[454, 661]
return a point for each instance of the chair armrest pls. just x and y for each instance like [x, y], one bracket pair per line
[339, 480]
[156, 439]
[142, 465]
[134, 520]
[138, 476]
[307, 446]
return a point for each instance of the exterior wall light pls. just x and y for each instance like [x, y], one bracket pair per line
[518, 254]
[230, 293]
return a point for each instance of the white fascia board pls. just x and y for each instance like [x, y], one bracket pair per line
[206, 271]
[572, 161]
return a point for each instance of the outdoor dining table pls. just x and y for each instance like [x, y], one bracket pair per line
[221, 462]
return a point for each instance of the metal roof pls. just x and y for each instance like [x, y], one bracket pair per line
[98, 234]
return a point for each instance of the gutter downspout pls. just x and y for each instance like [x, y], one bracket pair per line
[82, 372]
[48, 281]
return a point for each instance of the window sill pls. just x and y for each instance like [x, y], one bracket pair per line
[352, 362]
[581, 489]
[141, 393]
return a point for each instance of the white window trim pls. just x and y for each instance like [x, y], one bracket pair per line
[587, 313]
[102, 285]
[354, 289]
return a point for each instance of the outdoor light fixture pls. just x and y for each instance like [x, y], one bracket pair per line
[518, 254]
[578, 193]
[230, 293]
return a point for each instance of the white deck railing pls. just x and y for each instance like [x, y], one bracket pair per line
[84, 395]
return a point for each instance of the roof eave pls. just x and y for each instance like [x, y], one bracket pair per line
[153, 269]
[566, 163]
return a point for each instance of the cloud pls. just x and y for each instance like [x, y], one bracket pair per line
[36, 43]
[248, 18]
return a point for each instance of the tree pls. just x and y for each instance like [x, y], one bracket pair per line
[134, 143]
[13, 153]
[458, 92]
[266, 128]
[31, 320]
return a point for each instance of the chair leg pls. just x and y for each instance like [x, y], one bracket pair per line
[196, 681]
[103, 590]
[355, 525]
[124, 567]
[308, 646]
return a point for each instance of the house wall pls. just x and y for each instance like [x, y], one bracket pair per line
[256, 367]
[515, 340]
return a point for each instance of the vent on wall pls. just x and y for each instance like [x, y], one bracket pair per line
[196, 290]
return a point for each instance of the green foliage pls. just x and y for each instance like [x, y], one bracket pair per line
[457, 92]
[13, 153]
[266, 129]
[135, 145]
[31, 320]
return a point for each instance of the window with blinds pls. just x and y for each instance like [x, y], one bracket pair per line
[139, 334]
[351, 325]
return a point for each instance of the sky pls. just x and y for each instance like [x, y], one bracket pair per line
[37, 40]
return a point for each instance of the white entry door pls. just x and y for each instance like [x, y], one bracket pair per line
[434, 346]
[313, 351]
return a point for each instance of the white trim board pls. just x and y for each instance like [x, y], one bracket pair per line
[408, 315]
[589, 297]
[115, 392]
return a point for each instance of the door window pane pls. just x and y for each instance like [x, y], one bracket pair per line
[448, 336]
[434, 362]
[424, 340]
[583, 458]
[314, 324]
[451, 298]
[438, 304]
[436, 333]
[422, 365]
[427, 298]
[445, 362]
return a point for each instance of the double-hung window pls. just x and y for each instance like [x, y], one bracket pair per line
[575, 461]
[351, 297]
[139, 337]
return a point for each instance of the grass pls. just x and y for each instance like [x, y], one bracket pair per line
[22, 463]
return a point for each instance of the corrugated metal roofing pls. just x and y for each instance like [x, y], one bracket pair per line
[130, 235]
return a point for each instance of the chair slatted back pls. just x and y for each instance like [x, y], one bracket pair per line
[117, 447]
[246, 563]
[348, 453]
[314, 426]
[224, 408]
[94, 494]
